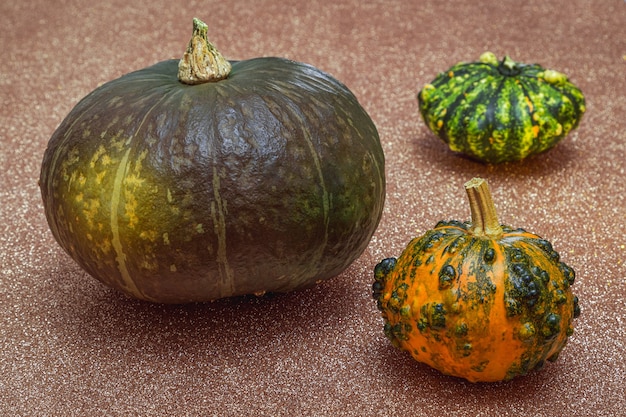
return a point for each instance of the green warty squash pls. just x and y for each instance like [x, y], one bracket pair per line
[499, 111]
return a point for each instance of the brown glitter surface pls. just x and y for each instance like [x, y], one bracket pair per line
[71, 347]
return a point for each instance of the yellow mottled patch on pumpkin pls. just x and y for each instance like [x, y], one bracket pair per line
[99, 179]
[130, 209]
[91, 209]
[99, 152]
[150, 235]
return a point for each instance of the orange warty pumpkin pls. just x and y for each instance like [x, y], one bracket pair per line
[480, 300]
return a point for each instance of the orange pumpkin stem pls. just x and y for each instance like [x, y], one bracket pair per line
[202, 62]
[484, 217]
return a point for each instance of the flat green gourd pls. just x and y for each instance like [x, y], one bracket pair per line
[206, 178]
[500, 111]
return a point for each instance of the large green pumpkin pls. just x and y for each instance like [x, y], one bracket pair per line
[498, 111]
[268, 177]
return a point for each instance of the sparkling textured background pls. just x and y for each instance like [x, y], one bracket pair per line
[71, 347]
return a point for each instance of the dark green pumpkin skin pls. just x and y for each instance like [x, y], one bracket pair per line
[501, 111]
[270, 180]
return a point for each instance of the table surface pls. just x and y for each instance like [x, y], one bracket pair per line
[71, 346]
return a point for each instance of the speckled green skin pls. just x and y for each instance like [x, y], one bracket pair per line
[474, 307]
[501, 111]
[269, 180]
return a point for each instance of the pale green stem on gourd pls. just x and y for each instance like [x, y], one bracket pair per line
[506, 67]
[484, 217]
[509, 64]
[202, 62]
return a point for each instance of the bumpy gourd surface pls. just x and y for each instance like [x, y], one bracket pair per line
[269, 180]
[475, 307]
[500, 111]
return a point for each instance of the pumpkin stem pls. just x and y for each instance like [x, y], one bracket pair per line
[202, 62]
[484, 217]
[509, 67]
